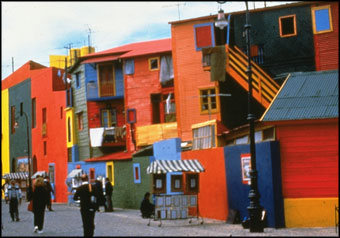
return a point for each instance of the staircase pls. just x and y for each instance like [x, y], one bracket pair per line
[264, 87]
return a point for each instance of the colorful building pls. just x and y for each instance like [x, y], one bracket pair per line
[306, 117]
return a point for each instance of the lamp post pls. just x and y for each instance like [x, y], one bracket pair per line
[254, 208]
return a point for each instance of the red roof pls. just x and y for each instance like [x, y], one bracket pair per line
[113, 156]
[130, 50]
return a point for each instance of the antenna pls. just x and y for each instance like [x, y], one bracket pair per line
[178, 4]
[89, 35]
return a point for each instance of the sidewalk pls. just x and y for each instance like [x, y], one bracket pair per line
[66, 221]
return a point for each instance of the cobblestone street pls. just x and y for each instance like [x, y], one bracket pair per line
[66, 221]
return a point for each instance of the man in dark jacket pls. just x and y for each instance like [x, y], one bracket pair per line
[108, 195]
[86, 193]
[49, 191]
[101, 198]
[146, 207]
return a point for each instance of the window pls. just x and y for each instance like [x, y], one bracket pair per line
[169, 107]
[61, 112]
[44, 120]
[322, 19]
[13, 119]
[242, 140]
[69, 99]
[192, 183]
[154, 63]
[45, 147]
[136, 173]
[208, 101]
[204, 35]
[34, 121]
[287, 26]
[159, 185]
[155, 103]
[80, 121]
[268, 134]
[77, 80]
[204, 137]
[106, 80]
[51, 170]
[69, 155]
[92, 176]
[176, 183]
[69, 136]
[129, 67]
[108, 118]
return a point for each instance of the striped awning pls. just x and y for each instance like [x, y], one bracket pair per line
[16, 175]
[167, 166]
[75, 173]
[39, 173]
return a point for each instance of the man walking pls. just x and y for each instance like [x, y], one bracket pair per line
[87, 194]
[13, 195]
[108, 195]
[49, 191]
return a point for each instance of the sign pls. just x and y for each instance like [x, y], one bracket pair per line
[246, 167]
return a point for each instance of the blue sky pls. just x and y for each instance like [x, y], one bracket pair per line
[35, 30]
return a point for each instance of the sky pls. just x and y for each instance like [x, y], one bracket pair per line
[35, 30]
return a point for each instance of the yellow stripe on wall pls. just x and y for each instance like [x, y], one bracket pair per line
[310, 212]
[5, 160]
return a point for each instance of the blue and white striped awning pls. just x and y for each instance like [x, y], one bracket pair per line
[168, 166]
[16, 175]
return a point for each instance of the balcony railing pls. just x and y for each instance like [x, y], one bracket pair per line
[106, 89]
[147, 135]
[107, 136]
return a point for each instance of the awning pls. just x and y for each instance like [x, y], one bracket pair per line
[167, 166]
[39, 173]
[17, 175]
[75, 173]
[101, 59]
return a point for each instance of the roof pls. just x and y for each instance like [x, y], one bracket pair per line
[113, 156]
[17, 175]
[306, 95]
[39, 173]
[130, 50]
[75, 173]
[168, 166]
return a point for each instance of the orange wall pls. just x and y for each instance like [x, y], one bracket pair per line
[212, 198]
[189, 77]
[54, 102]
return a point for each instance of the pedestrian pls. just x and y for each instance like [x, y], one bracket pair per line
[101, 197]
[146, 207]
[108, 195]
[87, 193]
[5, 188]
[50, 191]
[39, 195]
[13, 195]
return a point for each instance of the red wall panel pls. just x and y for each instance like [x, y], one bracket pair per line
[327, 44]
[212, 199]
[54, 102]
[309, 159]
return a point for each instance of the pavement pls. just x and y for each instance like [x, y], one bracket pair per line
[65, 220]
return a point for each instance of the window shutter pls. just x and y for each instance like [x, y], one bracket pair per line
[204, 35]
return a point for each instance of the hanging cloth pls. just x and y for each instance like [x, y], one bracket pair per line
[166, 72]
[218, 62]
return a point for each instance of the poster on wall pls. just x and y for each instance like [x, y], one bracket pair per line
[246, 167]
[22, 164]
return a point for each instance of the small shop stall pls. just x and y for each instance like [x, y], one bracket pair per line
[180, 199]
[21, 178]
[39, 173]
[73, 181]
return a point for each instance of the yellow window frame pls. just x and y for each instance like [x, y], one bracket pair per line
[150, 63]
[111, 175]
[209, 110]
[329, 17]
[280, 26]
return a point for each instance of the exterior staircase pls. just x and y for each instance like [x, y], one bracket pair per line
[264, 87]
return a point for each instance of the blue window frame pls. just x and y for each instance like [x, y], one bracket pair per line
[322, 19]
[204, 35]
[136, 173]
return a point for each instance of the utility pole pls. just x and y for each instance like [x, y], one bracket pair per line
[89, 36]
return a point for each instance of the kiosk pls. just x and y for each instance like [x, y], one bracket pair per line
[180, 200]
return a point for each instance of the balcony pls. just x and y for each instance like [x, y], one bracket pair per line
[147, 135]
[107, 136]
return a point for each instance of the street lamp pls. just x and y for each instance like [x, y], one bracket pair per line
[28, 145]
[254, 208]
